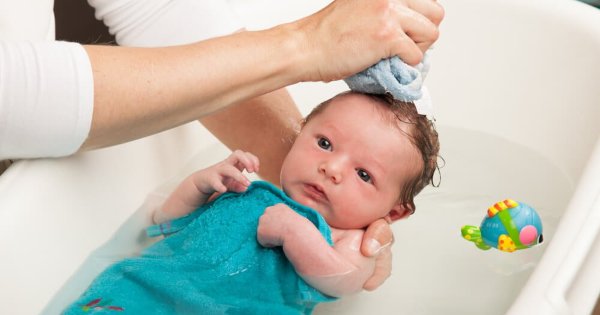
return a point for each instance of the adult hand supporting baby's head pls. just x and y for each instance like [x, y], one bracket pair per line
[377, 242]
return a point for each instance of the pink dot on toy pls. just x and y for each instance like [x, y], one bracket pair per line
[528, 234]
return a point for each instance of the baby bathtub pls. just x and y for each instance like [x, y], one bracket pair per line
[515, 85]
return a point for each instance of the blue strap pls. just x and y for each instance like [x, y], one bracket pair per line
[169, 227]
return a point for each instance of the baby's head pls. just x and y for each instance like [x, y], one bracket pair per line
[359, 158]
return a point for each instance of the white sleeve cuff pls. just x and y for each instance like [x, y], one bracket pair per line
[46, 99]
[144, 23]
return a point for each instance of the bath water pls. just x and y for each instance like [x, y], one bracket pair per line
[435, 271]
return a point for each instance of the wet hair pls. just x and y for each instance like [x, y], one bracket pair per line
[420, 131]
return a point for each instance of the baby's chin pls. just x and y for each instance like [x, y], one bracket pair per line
[304, 200]
[311, 203]
[323, 210]
[343, 223]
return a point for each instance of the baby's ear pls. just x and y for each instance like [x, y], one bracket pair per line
[401, 210]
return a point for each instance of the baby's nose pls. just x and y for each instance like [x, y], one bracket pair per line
[332, 170]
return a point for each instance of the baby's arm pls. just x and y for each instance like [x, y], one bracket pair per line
[197, 188]
[336, 271]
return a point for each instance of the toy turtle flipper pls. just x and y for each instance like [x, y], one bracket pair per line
[473, 234]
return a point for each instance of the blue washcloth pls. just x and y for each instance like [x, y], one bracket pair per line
[211, 263]
[392, 75]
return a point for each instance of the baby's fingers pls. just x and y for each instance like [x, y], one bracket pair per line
[244, 160]
[233, 179]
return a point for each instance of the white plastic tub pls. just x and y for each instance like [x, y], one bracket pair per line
[516, 89]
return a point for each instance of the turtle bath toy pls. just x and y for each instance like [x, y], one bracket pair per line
[508, 226]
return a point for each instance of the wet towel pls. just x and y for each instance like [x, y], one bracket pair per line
[393, 76]
[211, 263]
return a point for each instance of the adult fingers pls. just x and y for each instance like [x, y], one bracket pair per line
[430, 9]
[418, 29]
[383, 270]
[409, 51]
[377, 236]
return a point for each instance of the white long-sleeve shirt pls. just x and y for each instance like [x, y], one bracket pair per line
[46, 87]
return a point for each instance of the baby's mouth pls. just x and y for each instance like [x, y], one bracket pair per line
[315, 192]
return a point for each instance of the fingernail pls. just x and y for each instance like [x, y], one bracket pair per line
[385, 245]
[374, 247]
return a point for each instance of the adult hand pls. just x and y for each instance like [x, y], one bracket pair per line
[348, 36]
[377, 241]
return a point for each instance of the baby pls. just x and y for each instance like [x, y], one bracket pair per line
[358, 158]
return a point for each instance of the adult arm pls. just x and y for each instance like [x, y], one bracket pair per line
[141, 91]
[264, 125]
[169, 86]
[160, 88]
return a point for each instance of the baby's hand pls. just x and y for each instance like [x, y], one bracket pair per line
[227, 175]
[274, 224]
[197, 188]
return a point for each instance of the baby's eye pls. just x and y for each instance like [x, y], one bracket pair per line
[363, 175]
[324, 143]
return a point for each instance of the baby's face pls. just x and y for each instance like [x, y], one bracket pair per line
[350, 163]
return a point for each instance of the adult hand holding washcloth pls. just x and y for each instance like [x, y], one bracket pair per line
[402, 81]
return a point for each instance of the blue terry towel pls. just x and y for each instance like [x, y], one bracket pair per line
[211, 263]
[392, 76]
